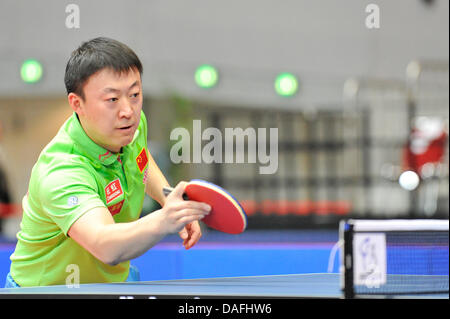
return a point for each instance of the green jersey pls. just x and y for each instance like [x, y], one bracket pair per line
[72, 176]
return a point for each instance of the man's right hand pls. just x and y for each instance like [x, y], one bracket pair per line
[177, 212]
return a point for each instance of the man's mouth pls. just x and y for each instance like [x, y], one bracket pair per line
[125, 127]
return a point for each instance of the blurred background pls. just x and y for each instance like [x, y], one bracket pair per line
[362, 110]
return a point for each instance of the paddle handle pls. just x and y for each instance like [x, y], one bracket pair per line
[167, 190]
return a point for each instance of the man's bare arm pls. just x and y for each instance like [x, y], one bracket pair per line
[113, 243]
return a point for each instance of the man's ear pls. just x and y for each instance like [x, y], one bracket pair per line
[75, 102]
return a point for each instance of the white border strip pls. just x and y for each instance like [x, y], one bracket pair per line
[400, 225]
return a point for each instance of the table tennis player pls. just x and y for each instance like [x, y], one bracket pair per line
[87, 187]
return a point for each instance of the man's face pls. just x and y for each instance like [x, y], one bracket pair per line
[111, 109]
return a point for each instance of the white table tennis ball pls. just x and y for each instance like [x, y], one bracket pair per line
[409, 180]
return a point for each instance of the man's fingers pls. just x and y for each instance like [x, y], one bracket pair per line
[178, 191]
[184, 234]
[195, 233]
[193, 240]
[189, 218]
[178, 213]
[192, 205]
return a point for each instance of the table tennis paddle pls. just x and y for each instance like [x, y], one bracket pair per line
[226, 215]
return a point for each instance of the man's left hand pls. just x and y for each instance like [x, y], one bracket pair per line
[191, 234]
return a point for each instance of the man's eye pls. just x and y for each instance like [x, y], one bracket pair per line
[113, 99]
[135, 95]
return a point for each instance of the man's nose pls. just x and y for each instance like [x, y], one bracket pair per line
[126, 109]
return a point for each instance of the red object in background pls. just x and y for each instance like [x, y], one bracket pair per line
[250, 207]
[268, 207]
[426, 144]
[332, 207]
[295, 207]
[10, 210]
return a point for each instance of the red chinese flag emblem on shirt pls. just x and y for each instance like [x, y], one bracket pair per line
[142, 159]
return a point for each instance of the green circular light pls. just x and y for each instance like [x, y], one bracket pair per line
[31, 71]
[286, 84]
[206, 76]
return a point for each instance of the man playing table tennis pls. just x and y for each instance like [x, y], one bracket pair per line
[87, 188]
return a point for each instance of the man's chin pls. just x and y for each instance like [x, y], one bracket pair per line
[125, 140]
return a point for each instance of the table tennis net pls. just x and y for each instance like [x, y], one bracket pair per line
[395, 257]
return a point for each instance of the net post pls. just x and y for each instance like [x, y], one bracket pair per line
[347, 259]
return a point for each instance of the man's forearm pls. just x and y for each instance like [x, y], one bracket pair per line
[124, 241]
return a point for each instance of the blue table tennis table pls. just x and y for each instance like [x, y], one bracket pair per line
[318, 285]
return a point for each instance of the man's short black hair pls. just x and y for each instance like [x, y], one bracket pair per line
[95, 55]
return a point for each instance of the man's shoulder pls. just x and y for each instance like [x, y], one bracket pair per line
[61, 156]
[57, 174]
[62, 150]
